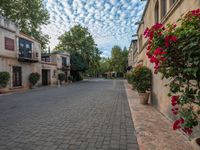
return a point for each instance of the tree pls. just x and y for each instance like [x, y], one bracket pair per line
[29, 15]
[104, 65]
[119, 59]
[80, 43]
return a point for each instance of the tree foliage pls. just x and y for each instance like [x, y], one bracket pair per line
[30, 15]
[80, 43]
[119, 59]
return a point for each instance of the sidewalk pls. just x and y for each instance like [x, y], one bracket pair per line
[153, 130]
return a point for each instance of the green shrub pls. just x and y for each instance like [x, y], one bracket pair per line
[61, 77]
[4, 78]
[129, 77]
[70, 78]
[34, 78]
[141, 79]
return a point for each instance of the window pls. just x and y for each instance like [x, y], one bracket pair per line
[64, 61]
[9, 44]
[140, 42]
[163, 8]
[46, 58]
[25, 48]
[156, 12]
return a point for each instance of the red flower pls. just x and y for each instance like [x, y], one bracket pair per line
[154, 60]
[173, 38]
[148, 55]
[167, 41]
[169, 38]
[149, 47]
[146, 32]
[158, 51]
[177, 123]
[187, 130]
[196, 12]
[158, 26]
[174, 100]
[175, 111]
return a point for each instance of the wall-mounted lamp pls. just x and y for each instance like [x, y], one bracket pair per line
[139, 22]
[134, 35]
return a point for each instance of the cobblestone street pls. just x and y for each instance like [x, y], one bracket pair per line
[86, 115]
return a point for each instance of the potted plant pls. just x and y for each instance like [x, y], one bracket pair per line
[141, 80]
[33, 79]
[70, 78]
[196, 143]
[61, 77]
[175, 52]
[4, 78]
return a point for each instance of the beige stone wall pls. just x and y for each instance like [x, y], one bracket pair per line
[159, 92]
[9, 58]
[53, 72]
[6, 64]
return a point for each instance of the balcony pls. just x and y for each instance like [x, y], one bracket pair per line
[65, 67]
[30, 57]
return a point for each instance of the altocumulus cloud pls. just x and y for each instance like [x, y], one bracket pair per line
[111, 22]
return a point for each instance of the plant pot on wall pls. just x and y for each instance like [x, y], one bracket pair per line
[196, 143]
[144, 97]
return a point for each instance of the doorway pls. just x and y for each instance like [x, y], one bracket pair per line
[45, 77]
[17, 76]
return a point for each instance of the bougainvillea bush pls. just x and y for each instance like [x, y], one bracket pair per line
[175, 52]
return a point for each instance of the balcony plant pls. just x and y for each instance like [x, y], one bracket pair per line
[34, 77]
[61, 77]
[141, 80]
[175, 53]
[4, 79]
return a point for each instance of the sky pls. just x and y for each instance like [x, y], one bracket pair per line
[111, 22]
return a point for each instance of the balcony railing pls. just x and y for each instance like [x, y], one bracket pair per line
[31, 57]
[65, 67]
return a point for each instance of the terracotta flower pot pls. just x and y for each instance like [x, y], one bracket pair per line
[144, 97]
[196, 143]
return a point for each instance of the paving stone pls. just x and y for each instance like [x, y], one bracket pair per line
[82, 116]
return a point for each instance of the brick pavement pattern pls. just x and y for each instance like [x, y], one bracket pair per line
[89, 115]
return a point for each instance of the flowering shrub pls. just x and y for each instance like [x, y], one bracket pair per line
[141, 78]
[34, 77]
[175, 53]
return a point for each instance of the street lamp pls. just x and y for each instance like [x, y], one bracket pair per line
[135, 35]
[139, 22]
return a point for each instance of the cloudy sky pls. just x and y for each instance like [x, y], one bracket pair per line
[111, 22]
